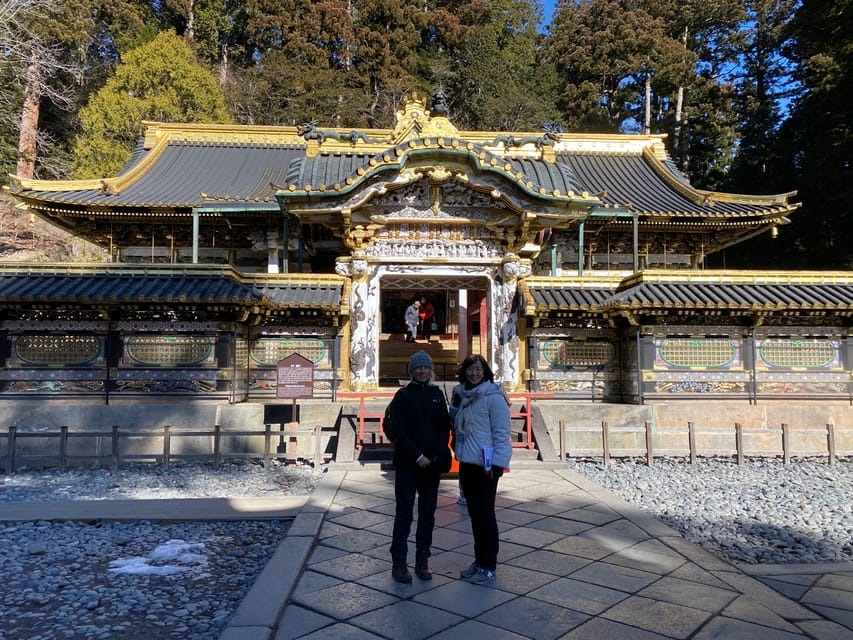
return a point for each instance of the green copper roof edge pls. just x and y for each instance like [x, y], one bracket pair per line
[398, 165]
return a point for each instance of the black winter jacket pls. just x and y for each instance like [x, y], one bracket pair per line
[420, 418]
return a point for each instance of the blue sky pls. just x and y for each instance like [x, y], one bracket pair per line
[548, 9]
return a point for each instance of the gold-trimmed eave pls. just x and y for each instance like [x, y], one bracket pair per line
[301, 280]
[718, 276]
[708, 198]
[595, 281]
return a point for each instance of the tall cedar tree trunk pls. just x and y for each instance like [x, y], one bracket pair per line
[28, 136]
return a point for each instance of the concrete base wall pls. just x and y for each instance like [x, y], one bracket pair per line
[190, 415]
[714, 424]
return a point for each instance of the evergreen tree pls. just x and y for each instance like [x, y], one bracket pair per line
[158, 81]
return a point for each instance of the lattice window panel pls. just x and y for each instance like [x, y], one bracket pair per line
[267, 352]
[696, 353]
[57, 350]
[799, 353]
[158, 350]
[576, 353]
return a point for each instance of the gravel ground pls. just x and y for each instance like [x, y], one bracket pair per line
[763, 512]
[123, 581]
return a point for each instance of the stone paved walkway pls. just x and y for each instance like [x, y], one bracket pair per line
[576, 563]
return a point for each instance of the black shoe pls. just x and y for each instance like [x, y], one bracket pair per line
[400, 573]
[422, 568]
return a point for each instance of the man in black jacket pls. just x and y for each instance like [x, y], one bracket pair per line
[421, 455]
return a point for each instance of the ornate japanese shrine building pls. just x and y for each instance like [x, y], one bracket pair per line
[573, 262]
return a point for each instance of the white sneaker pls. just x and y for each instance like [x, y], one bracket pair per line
[461, 499]
[471, 571]
[483, 576]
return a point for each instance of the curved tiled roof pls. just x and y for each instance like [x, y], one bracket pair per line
[661, 290]
[631, 181]
[344, 171]
[164, 284]
[734, 296]
[189, 174]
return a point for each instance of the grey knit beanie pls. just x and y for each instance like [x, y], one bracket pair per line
[419, 359]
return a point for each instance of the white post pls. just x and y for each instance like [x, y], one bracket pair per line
[462, 322]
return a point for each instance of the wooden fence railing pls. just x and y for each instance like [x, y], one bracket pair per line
[737, 434]
[286, 449]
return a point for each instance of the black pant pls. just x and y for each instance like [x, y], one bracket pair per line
[409, 480]
[480, 491]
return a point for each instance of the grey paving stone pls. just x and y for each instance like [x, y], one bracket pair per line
[787, 589]
[361, 500]
[329, 530]
[313, 581]
[600, 629]
[739, 630]
[345, 600]
[534, 618]
[245, 633]
[352, 566]
[535, 538]
[689, 594]
[465, 599]
[833, 581]
[306, 524]
[749, 610]
[658, 617]
[802, 579]
[473, 630]
[697, 554]
[341, 632]
[616, 535]
[518, 580]
[384, 582]
[321, 553]
[449, 563]
[841, 616]
[581, 596]
[359, 519]
[615, 576]
[582, 547]
[517, 516]
[324, 493]
[590, 515]
[449, 539]
[354, 540]
[297, 621]
[551, 562]
[446, 517]
[649, 555]
[545, 507]
[694, 573]
[835, 598]
[560, 525]
[508, 551]
[785, 607]
[825, 630]
[407, 619]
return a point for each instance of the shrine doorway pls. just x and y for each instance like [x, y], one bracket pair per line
[458, 328]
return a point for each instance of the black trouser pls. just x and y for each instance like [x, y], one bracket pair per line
[480, 491]
[408, 480]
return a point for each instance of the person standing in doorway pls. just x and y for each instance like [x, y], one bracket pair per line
[412, 319]
[481, 440]
[421, 455]
[425, 314]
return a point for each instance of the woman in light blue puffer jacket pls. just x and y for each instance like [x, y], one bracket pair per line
[480, 414]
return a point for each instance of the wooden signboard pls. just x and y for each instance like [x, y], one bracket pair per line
[294, 377]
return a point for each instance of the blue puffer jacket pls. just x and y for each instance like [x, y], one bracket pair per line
[481, 419]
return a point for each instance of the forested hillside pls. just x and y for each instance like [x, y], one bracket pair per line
[751, 93]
